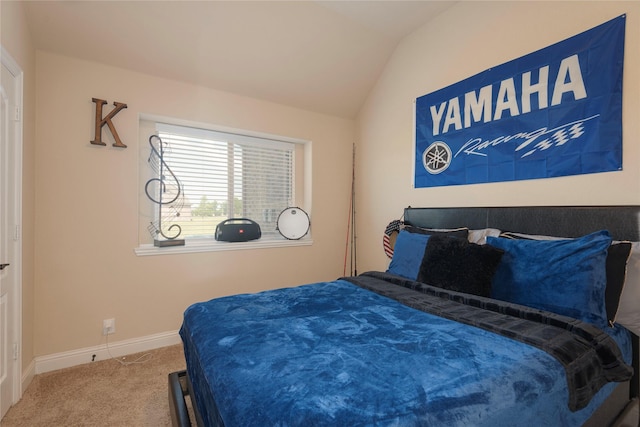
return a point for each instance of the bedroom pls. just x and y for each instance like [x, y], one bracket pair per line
[79, 265]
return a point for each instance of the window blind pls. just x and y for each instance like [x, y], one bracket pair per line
[226, 175]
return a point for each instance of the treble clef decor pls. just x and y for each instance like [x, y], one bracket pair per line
[166, 191]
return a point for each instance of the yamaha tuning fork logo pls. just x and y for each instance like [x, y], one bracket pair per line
[554, 112]
[437, 157]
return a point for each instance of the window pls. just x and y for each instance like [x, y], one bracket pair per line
[214, 175]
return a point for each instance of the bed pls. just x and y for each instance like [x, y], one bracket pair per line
[433, 340]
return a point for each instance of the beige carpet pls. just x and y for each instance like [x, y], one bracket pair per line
[103, 393]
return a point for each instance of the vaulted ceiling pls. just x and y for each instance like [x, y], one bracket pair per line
[322, 56]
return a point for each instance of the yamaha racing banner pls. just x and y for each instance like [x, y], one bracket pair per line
[554, 112]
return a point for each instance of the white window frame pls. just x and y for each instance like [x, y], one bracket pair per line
[146, 248]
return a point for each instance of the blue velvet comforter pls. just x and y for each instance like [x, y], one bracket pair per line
[337, 354]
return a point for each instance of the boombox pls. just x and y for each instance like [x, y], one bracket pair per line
[238, 230]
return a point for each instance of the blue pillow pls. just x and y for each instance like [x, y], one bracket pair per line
[407, 254]
[566, 277]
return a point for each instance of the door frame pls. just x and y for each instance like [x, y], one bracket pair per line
[15, 177]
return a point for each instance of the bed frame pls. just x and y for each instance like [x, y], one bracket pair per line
[623, 223]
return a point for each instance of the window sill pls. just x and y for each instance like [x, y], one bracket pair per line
[215, 246]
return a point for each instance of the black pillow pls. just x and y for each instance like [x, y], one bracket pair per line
[461, 233]
[457, 265]
[617, 256]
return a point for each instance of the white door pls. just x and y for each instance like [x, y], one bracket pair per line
[10, 166]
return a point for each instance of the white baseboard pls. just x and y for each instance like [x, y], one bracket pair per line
[27, 376]
[67, 359]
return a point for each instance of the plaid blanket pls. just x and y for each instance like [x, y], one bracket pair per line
[591, 358]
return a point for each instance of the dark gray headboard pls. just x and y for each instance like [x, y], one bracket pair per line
[622, 222]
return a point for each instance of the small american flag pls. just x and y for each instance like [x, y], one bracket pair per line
[394, 227]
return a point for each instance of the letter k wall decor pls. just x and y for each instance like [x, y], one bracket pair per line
[100, 122]
[554, 112]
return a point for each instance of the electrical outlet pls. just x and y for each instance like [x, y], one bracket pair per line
[108, 326]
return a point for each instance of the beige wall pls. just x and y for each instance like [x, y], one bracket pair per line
[16, 41]
[87, 211]
[466, 39]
